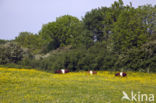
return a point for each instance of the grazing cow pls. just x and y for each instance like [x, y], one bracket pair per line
[91, 72]
[62, 71]
[121, 74]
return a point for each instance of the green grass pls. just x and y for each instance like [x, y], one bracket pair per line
[32, 86]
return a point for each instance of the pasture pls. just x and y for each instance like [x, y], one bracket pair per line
[32, 86]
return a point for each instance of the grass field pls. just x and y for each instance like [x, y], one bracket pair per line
[32, 86]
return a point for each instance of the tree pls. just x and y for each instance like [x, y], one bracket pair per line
[61, 32]
[148, 14]
[11, 53]
[98, 21]
[29, 40]
[129, 31]
[3, 41]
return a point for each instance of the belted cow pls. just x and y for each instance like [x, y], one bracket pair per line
[91, 72]
[121, 74]
[62, 71]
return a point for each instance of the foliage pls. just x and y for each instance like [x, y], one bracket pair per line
[3, 41]
[29, 40]
[129, 31]
[10, 53]
[108, 38]
[98, 21]
[61, 32]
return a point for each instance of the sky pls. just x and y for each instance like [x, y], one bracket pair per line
[29, 15]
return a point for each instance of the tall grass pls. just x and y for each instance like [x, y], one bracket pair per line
[32, 86]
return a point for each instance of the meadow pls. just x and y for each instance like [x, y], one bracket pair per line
[33, 86]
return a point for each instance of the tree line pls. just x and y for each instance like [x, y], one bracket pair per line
[114, 38]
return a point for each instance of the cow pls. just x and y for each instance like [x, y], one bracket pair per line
[121, 74]
[91, 72]
[62, 71]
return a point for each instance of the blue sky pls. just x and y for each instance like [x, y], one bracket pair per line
[29, 15]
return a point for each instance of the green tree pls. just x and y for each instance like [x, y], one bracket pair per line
[129, 31]
[10, 53]
[3, 41]
[61, 32]
[148, 14]
[29, 40]
[100, 21]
